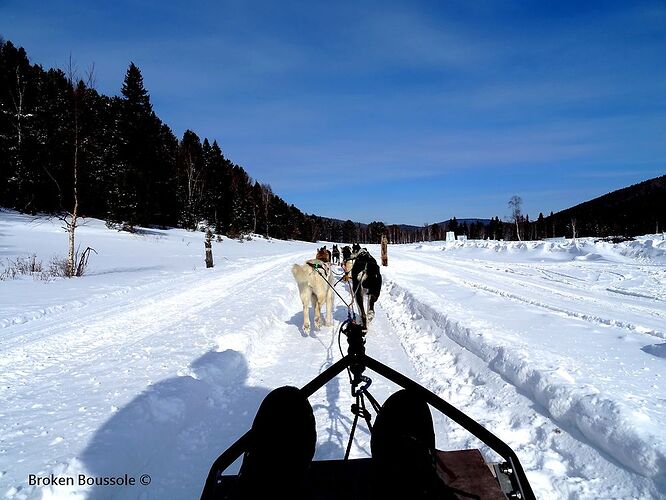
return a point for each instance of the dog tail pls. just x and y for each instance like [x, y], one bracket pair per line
[299, 273]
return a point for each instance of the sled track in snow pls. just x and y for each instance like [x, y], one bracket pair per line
[72, 334]
[590, 318]
[441, 347]
[154, 288]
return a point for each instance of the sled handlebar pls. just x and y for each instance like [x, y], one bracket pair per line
[522, 486]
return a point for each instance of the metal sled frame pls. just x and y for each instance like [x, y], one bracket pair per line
[512, 468]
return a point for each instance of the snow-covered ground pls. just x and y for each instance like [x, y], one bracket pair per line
[152, 364]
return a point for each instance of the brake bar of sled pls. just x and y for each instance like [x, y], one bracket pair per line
[231, 454]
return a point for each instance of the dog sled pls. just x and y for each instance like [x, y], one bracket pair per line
[464, 472]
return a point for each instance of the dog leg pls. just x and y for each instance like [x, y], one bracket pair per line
[317, 312]
[305, 298]
[329, 307]
[371, 306]
[359, 303]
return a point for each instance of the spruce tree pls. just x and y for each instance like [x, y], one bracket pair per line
[137, 163]
[136, 96]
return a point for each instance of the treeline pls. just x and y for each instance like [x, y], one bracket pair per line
[57, 133]
[630, 211]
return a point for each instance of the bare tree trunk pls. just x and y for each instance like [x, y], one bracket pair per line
[384, 250]
[266, 196]
[71, 224]
[194, 190]
[209, 249]
[18, 108]
[514, 204]
[19, 115]
[71, 219]
[518, 231]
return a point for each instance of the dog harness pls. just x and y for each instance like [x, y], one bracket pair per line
[319, 264]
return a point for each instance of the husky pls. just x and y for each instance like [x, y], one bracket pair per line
[313, 279]
[346, 262]
[323, 254]
[336, 255]
[366, 280]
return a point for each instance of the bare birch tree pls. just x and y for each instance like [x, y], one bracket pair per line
[194, 189]
[515, 204]
[70, 218]
[266, 197]
[18, 118]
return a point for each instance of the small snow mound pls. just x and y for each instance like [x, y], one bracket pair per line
[644, 249]
[589, 257]
[658, 350]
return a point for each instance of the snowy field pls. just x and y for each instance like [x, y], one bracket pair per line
[152, 364]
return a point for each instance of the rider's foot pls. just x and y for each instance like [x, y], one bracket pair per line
[282, 445]
[403, 450]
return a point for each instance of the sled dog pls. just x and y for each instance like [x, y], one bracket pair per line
[313, 279]
[366, 280]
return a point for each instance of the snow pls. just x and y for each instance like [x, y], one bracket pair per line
[152, 364]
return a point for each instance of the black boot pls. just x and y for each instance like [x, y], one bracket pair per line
[403, 450]
[281, 448]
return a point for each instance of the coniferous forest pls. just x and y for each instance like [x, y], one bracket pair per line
[132, 170]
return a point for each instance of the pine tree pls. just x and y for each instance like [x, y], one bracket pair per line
[375, 231]
[137, 139]
[349, 232]
[453, 225]
[136, 96]
[217, 185]
[540, 226]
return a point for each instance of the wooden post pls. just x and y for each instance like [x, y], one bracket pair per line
[384, 250]
[209, 249]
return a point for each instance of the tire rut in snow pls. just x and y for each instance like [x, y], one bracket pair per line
[490, 387]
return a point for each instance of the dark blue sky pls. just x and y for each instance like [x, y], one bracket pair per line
[407, 112]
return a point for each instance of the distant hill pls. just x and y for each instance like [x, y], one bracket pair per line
[634, 210]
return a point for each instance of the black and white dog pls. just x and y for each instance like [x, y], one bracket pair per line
[366, 279]
[336, 255]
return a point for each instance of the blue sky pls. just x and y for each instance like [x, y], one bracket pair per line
[406, 112]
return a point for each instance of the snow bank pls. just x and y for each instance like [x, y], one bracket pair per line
[650, 248]
[605, 422]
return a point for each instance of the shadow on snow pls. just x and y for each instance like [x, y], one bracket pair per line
[175, 429]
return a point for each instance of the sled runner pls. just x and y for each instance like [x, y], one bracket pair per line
[464, 472]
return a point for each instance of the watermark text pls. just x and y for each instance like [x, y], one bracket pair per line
[86, 480]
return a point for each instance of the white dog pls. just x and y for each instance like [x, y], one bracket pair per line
[314, 278]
